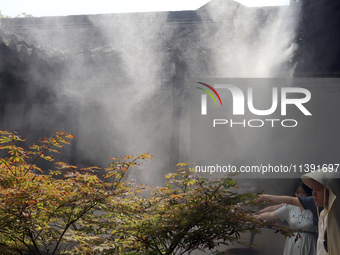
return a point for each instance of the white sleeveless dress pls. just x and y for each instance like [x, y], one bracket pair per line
[303, 223]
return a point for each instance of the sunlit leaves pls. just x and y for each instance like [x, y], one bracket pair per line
[190, 212]
[70, 210]
[42, 214]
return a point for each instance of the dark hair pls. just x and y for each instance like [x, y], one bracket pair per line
[306, 189]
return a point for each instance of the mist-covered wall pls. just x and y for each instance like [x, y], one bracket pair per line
[117, 81]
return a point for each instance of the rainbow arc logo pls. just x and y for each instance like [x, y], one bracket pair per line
[209, 93]
[204, 97]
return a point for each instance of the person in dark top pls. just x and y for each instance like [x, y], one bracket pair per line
[298, 219]
[306, 202]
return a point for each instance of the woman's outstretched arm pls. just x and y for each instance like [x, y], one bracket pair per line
[280, 199]
[267, 216]
[271, 208]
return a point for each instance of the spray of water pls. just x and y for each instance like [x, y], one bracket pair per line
[117, 80]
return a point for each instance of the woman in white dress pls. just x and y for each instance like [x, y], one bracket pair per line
[298, 219]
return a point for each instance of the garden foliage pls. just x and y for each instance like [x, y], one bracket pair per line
[70, 210]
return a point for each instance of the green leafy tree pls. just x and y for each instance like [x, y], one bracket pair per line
[22, 15]
[190, 213]
[70, 210]
[3, 16]
[39, 211]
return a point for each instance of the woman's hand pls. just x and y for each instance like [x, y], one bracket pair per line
[257, 216]
[263, 197]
